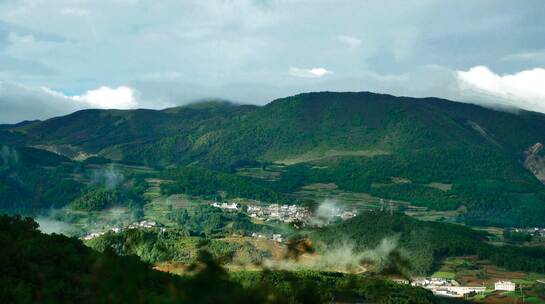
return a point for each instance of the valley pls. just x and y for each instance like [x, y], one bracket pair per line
[463, 210]
[272, 152]
[163, 230]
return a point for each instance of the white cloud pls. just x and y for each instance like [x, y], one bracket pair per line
[102, 98]
[210, 48]
[108, 98]
[524, 90]
[351, 41]
[309, 73]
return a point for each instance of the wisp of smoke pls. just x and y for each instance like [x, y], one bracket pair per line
[325, 213]
[109, 177]
[9, 156]
[344, 256]
[118, 216]
[48, 225]
[380, 256]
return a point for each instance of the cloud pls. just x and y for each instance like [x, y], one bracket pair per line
[526, 56]
[13, 67]
[101, 98]
[351, 41]
[70, 11]
[181, 51]
[524, 90]
[19, 102]
[108, 98]
[309, 73]
[49, 226]
[15, 38]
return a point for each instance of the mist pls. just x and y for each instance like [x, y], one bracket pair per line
[49, 226]
[345, 257]
[9, 156]
[326, 212]
[110, 177]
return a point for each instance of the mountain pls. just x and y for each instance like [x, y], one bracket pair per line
[312, 124]
[365, 141]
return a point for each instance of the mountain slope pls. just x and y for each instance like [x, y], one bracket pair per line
[363, 139]
[288, 127]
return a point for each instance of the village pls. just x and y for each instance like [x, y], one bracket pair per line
[135, 225]
[451, 288]
[536, 231]
[297, 215]
[293, 214]
[273, 212]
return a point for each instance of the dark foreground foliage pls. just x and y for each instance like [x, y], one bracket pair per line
[39, 268]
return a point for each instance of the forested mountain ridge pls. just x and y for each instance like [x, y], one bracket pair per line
[287, 127]
[361, 140]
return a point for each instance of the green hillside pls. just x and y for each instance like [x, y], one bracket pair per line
[363, 141]
[426, 243]
[219, 133]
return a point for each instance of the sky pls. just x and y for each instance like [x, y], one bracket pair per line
[59, 56]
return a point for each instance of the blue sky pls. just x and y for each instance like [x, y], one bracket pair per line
[57, 56]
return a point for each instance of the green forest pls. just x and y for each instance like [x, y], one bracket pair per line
[364, 140]
[194, 180]
[57, 269]
[427, 243]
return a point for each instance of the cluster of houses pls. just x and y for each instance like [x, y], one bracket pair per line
[93, 235]
[227, 206]
[536, 231]
[275, 237]
[282, 213]
[451, 288]
[141, 224]
[448, 288]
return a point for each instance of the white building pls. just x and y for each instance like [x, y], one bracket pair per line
[504, 286]
[277, 238]
[93, 235]
[463, 290]
[227, 206]
[447, 288]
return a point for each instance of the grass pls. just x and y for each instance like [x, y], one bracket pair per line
[160, 207]
[524, 281]
[319, 154]
[440, 186]
[260, 173]
[444, 275]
